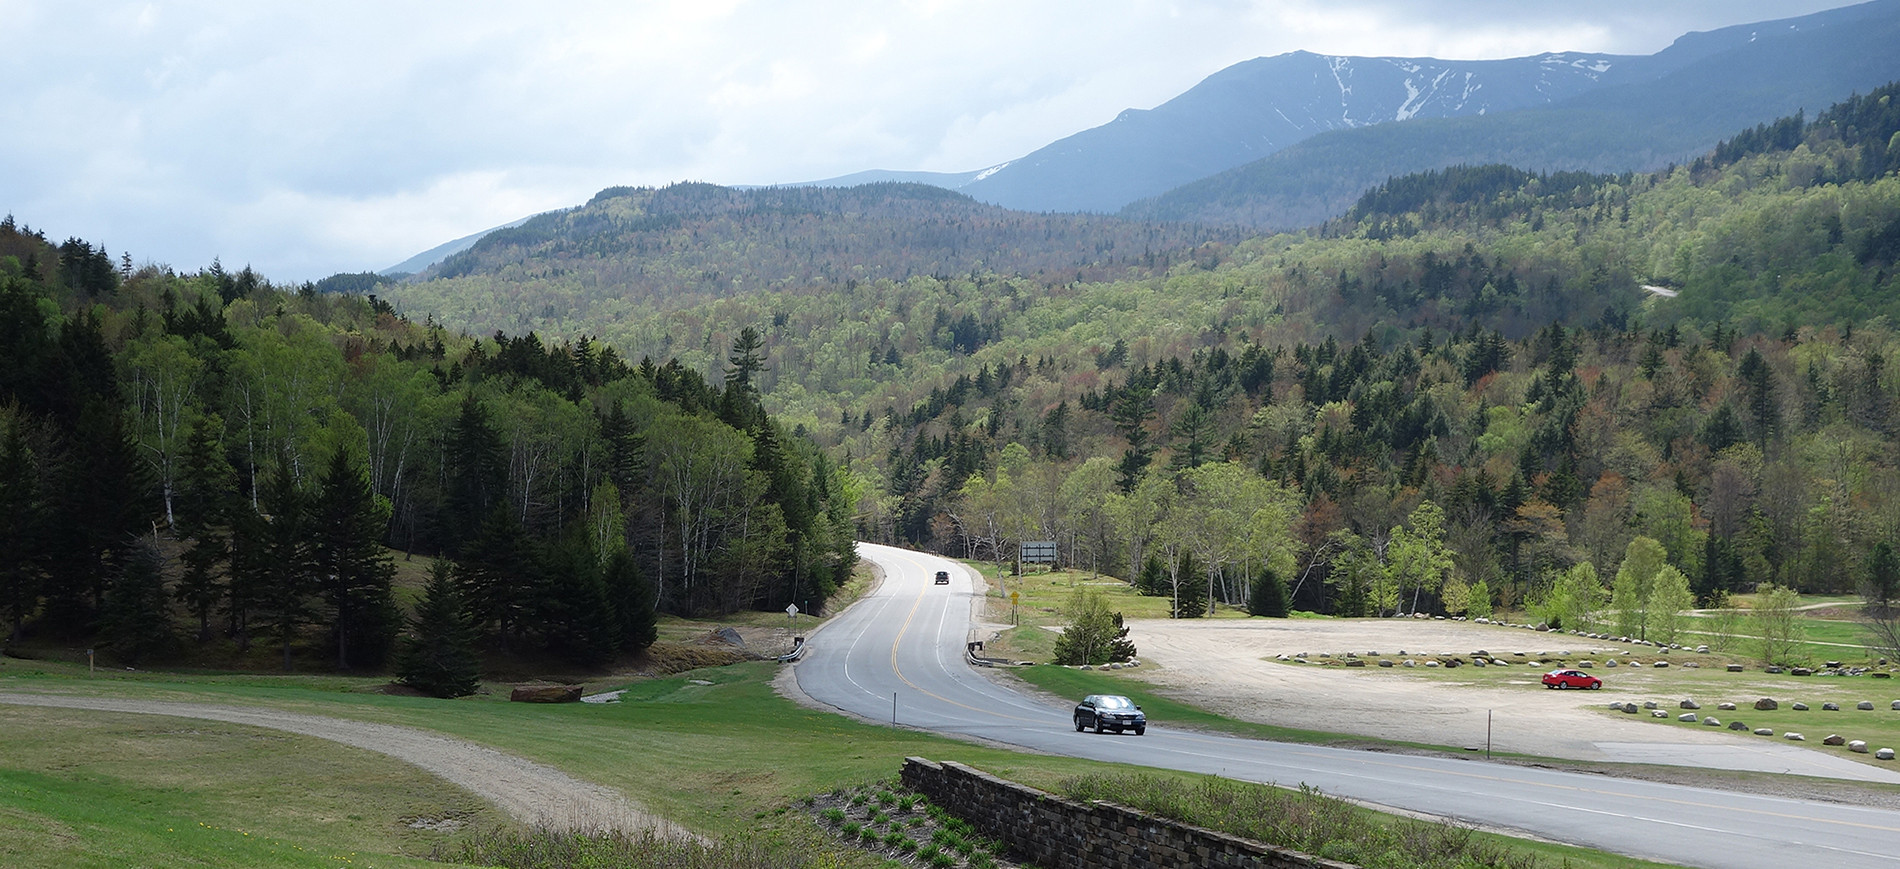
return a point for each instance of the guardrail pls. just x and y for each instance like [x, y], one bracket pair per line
[798, 650]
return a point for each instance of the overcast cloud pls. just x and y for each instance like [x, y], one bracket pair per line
[307, 139]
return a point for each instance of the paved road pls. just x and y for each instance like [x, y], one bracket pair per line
[898, 654]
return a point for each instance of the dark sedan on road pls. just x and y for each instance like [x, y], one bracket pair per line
[1571, 679]
[1109, 712]
[943, 577]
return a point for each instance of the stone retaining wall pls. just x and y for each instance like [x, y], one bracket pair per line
[1053, 832]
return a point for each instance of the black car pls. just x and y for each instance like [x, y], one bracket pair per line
[1110, 712]
[943, 577]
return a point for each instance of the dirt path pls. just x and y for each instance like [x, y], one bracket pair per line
[529, 792]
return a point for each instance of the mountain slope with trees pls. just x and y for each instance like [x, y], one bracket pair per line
[210, 465]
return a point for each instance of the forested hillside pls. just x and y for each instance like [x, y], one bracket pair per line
[209, 465]
[1460, 384]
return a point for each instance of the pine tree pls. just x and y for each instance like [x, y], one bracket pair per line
[273, 574]
[206, 504]
[135, 622]
[438, 655]
[633, 602]
[475, 472]
[1269, 597]
[352, 569]
[1190, 588]
[22, 538]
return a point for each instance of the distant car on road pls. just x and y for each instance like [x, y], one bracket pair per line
[1109, 712]
[943, 577]
[1571, 679]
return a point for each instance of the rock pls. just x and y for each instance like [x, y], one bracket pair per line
[545, 694]
[1629, 708]
[1764, 731]
[1791, 736]
[1692, 665]
[1834, 739]
[1500, 662]
[1281, 657]
[1736, 668]
[1725, 707]
[1799, 707]
[1610, 663]
[1896, 705]
[1858, 746]
[1801, 671]
[1688, 704]
[1585, 665]
[1833, 665]
[1737, 725]
[1410, 663]
[1702, 650]
[1880, 675]
[1865, 706]
[1712, 721]
[1430, 664]
[1478, 661]
[1662, 664]
[1649, 704]
[1690, 717]
[1773, 671]
[730, 636]
[1767, 704]
[1884, 754]
[1386, 663]
[1659, 714]
[1356, 662]
[1830, 707]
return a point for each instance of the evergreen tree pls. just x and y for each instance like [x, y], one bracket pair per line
[572, 610]
[475, 472]
[352, 569]
[438, 655]
[277, 574]
[1153, 580]
[1268, 597]
[135, 621]
[498, 573]
[633, 600]
[22, 535]
[206, 503]
[1190, 588]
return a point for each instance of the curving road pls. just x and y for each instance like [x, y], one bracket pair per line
[898, 654]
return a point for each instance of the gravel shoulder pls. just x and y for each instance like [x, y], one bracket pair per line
[531, 793]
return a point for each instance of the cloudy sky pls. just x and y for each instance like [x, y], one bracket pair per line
[307, 139]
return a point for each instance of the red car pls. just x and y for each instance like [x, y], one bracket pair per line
[1571, 679]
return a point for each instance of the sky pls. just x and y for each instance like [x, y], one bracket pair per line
[307, 139]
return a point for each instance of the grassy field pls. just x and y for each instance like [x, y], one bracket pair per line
[728, 758]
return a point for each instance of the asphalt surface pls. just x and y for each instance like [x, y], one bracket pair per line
[898, 656]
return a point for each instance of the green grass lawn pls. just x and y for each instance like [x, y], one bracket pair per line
[727, 759]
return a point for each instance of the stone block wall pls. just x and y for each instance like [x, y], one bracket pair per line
[1054, 832]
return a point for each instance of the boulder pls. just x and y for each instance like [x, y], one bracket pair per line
[1801, 671]
[1725, 707]
[1772, 671]
[1884, 754]
[1881, 675]
[1649, 704]
[1857, 746]
[1896, 705]
[1767, 704]
[1834, 739]
[1585, 665]
[1737, 725]
[545, 694]
[1833, 665]
[1610, 663]
[1478, 661]
[1764, 731]
[1356, 662]
[1689, 717]
[1660, 664]
[1799, 707]
[1410, 663]
[1830, 707]
[1430, 664]
[1791, 736]
[1702, 650]
[1865, 706]
[1688, 704]
[1658, 714]
[1712, 721]
[1736, 668]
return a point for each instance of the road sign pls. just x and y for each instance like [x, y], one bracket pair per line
[1039, 551]
[1015, 597]
[791, 609]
